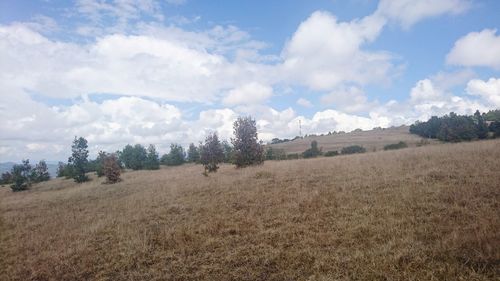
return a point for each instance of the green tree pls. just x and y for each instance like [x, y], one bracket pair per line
[133, 157]
[111, 168]
[193, 154]
[211, 153]
[40, 172]
[21, 176]
[152, 160]
[228, 151]
[175, 157]
[481, 126]
[6, 178]
[495, 128]
[247, 149]
[79, 159]
[313, 151]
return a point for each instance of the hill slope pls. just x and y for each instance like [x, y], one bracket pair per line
[427, 213]
[372, 140]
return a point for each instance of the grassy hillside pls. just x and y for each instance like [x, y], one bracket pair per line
[371, 140]
[427, 213]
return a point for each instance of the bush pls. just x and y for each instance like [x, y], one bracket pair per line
[331, 153]
[211, 153]
[313, 151]
[398, 145]
[111, 168]
[353, 149]
[292, 156]
[275, 154]
[247, 149]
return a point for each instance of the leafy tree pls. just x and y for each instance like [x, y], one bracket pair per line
[247, 149]
[313, 151]
[152, 160]
[79, 159]
[492, 115]
[228, 151]
[133, 157]
[398, 145]
[495, 128]
[99, 163]
[481, 126]
[21, 176]
[353, 149]
[65, 170]
[193, 154]
[6, 178]
[111, 168]
[40, 172]
[211, 153]
[175, 157]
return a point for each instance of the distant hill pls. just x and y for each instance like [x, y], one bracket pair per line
[372, 140]
[7, 166]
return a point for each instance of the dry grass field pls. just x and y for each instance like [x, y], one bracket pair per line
[372, 140]
[425, 213]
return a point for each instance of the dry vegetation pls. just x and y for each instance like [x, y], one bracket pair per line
[372, 140]
[428, 213]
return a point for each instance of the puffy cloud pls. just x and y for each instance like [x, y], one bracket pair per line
[304, 102]
[324, 53]
[251, 93]
[409, 12]
[487, 90]
[348, 99]
[476, 49]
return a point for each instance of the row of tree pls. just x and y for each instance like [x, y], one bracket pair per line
[23, 175]
[455, 128]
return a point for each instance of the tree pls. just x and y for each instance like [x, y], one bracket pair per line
[152, 159]
[79, 159]
[313, 151]
[228, 152]
[40, 172]
[21, 176]
[133, 157]
[495, 128]
[481, 126]
[99, 163]
[175, 157]
[211, 153]
[193, 154]
[6, 178]
[111, 168]
[247, 149]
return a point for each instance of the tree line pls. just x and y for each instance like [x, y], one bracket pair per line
[455, 128]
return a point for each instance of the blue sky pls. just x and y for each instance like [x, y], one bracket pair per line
[164, 71]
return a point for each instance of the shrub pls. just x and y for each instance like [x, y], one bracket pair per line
[331, 153]
[211, 153]
[247, 149]
[21, 176]
[353, 149]
[398, 145]
[175, 157]
[79, 159]
[275, 154]
[292, 156]
[313, 151]
[111, 168]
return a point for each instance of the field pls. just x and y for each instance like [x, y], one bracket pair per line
[422, 213]
[372, 140]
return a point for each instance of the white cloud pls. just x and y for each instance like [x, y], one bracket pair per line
[476, 49]
[304, 102]
[487, 90]
[348, 99]
[251, 93]
[324, 53]
[409, 12]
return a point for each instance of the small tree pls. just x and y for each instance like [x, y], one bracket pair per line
[79, 159]
[481, 126]
[99, 163]
[247, 149]
[21, 176]
[175, 157]
[495, 128]
[152, 160]
[40, 172]
[133, 157]
[6, 178]
[211, 153]
[228, 151]
[313, 151]
[193, 154]
[111, 168]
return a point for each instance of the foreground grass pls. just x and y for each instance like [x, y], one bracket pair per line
[429, 213]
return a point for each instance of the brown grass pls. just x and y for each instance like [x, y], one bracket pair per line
[428, 213]
[372, 140]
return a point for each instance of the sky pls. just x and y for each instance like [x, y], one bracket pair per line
[158, 72]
